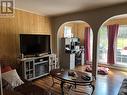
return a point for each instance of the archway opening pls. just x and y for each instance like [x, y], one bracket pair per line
[112, 38]
[81, 37]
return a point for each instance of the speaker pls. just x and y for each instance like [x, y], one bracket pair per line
[53, 61]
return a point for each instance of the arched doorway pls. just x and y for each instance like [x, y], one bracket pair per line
[81, 31]
[112, 39]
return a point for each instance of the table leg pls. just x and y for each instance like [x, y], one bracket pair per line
[92, 88]
[62, 92]
[52, 82]
[75, 84]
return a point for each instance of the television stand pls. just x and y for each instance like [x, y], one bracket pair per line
[36, 67]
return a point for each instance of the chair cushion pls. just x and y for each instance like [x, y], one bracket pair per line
[101, 70]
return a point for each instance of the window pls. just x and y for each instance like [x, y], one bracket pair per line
[121, 50]
[103, 45]
[68, 32]
[91, 44]
[121, 45]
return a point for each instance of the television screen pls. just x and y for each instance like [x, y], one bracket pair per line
[31, 44]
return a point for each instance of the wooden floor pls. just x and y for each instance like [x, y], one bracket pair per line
[104, 85]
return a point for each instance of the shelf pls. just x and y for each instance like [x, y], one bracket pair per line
[40, 62]
[29, 70]
[38, 76]
[41, 75]
[37, 67]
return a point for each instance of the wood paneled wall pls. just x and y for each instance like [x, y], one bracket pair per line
[119, 20]
[22, 23]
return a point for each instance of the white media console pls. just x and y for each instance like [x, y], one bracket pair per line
[36, 67]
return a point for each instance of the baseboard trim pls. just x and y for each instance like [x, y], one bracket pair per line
[117, 67]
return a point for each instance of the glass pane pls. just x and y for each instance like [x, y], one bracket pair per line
[121, 51]
[27, 65]
[91, 44]
[103, 45]
[68, 32]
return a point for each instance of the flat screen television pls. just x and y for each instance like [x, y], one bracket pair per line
[31, 44]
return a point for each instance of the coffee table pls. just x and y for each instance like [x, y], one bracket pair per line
[65, 78]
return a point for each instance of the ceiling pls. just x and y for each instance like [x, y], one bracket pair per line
[60, 7]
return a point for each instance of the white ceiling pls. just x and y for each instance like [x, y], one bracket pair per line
[59, 7]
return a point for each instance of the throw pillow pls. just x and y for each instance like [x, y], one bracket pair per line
[6, 69]
[13, 78]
